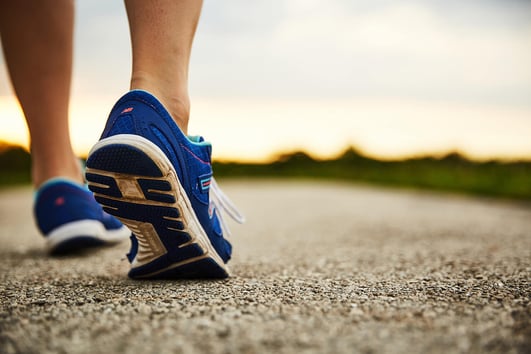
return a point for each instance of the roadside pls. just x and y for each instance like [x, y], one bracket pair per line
[318, 268]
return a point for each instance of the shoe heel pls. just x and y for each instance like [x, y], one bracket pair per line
[147, 197]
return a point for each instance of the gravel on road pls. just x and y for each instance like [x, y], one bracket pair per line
[318, 268]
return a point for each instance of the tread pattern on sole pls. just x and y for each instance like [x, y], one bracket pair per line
[132, 187]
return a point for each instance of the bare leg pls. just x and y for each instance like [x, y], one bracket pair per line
[37, 41]
[162, 32]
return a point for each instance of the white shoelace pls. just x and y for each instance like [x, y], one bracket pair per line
[219, 201]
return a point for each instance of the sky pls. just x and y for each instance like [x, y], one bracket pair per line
[393, 78]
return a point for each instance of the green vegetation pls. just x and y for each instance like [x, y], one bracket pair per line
[15, 163]
[452, 172]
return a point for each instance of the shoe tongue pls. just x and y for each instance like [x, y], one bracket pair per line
[196, 138]
[201, 144]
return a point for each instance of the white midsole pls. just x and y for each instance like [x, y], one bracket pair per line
[182, 203]
[91, 228]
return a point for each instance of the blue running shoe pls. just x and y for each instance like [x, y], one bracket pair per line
[159, 183]
[71, 220]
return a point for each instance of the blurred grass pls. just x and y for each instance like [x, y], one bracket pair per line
[15, 164]
[452, 172]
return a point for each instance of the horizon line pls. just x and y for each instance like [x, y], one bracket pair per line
[279, 154]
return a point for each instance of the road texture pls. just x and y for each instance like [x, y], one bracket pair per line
[318, 268]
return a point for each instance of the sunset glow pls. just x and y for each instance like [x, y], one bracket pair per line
[256, 130]
[393, 79]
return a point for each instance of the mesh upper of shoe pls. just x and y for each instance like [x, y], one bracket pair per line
[60, 201]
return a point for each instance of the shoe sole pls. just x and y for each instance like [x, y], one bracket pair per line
[134, 181]
[77, 236]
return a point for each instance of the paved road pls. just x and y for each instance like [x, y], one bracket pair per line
[319, 268]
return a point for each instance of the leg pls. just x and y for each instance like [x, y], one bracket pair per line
[162, 32]
[37, 41]
[146, 171]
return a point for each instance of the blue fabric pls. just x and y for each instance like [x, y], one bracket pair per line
[59, 201]
[140, 113]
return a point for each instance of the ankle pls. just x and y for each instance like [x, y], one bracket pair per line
[173, 98]
[179, 109]
[40, 173]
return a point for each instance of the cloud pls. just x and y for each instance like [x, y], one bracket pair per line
[395, 76]
[471, 51]
[431, 50]
[102, 50]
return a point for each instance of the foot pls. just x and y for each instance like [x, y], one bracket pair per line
[159, 183]
[71, 220]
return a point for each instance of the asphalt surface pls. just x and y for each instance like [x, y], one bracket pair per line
[318, 268]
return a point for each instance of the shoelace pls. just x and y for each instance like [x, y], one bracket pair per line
[219, 201]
